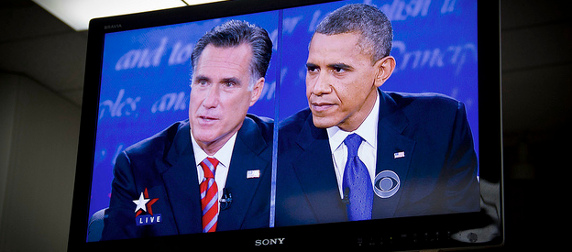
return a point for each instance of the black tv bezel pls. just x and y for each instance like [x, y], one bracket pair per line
[408, 233]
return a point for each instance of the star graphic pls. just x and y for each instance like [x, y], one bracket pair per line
[141, 203]
[144, 204]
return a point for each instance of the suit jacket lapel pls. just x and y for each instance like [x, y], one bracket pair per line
[390, 142]
[246, 156]
[181, 183]
[315, 170]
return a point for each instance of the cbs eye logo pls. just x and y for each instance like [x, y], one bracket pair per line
[386, 184]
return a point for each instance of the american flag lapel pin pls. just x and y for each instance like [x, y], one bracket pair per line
[399, 154]
[252, 174]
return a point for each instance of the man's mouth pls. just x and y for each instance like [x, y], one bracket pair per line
[321, 106]
[207, 119]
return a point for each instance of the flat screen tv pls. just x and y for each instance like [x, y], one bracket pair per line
[165, 89]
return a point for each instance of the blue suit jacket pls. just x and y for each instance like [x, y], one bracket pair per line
[437, 172]
[165, 165]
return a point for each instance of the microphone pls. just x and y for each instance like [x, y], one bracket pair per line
[346, 198]
[226, 199]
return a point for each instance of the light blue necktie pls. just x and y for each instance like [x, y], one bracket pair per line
[357, 187]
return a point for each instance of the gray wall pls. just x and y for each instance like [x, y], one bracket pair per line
[38, 146]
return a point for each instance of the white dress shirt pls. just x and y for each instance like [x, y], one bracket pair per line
[367, 151]
[223, 156]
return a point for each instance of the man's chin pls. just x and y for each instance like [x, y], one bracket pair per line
[322, 122]
[205, 136]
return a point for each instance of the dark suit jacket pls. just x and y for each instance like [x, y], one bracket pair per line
[437, 173]
[165, 165]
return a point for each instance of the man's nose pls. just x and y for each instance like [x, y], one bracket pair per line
[321, 85]
[212, 97]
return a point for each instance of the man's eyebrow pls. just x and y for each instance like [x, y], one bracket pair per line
[311, 65]
[340, 66]
[231, 79]
[201, 78]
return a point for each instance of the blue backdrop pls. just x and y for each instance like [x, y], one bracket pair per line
[146, 73]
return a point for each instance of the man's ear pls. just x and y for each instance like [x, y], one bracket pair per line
[256, 91]
[385, 67]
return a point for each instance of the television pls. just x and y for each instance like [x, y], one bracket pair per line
[137, 83]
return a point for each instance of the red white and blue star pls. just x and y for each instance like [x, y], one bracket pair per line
[144, 204]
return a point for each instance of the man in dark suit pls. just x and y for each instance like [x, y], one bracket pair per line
[210, 172]
[359, 153]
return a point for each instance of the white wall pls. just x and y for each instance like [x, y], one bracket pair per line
[38, 146]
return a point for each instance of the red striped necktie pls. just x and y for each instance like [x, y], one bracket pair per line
[209, 195]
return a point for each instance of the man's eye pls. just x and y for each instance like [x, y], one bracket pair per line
[338, 70]
[312, 69]
[201, 82]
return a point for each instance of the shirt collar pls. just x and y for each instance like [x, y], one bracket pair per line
[367, 130]
[223, 155]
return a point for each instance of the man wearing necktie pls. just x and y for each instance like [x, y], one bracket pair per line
[211, 172]
[360, 153]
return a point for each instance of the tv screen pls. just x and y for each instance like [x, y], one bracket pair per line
[292, 124]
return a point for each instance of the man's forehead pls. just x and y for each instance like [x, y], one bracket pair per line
[224, 51]
[238, 56]
[345, 37]
[219, 64]
[337, 47]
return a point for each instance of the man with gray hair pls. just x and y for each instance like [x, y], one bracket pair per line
[211, 172]
[360, 153]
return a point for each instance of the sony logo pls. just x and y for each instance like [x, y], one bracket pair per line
[112, 26]
[269, 242]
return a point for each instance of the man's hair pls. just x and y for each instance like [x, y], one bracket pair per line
[234, 33]
[373, 26]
